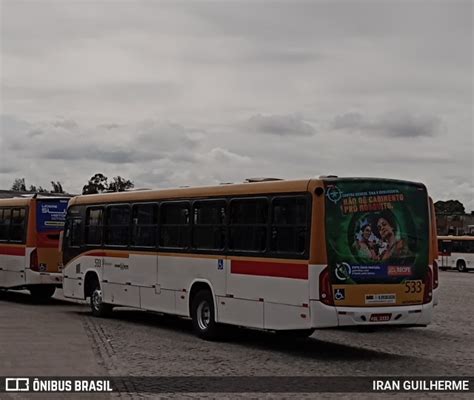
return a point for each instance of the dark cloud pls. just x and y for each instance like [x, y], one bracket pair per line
[280, 125]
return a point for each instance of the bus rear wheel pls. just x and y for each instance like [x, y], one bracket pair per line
[203, 315]
[42, 292]
[98, 307]
[461, 266]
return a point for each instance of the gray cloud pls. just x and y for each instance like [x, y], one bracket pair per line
[280, 125]
[399, 124]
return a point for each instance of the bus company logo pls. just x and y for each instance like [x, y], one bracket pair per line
[334, 194]
[121, 266]
[343, 271]
[17, 384]
[396, 270]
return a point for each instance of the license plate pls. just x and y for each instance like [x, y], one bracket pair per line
[380, 317]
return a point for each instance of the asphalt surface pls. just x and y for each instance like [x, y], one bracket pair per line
[62, 338]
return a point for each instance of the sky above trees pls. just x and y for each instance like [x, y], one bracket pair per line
[192, 93]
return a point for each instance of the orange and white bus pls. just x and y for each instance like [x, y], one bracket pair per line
[456, 252]
[287, 256]
[29, 243]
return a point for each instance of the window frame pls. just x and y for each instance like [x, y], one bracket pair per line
[105, 225]
[86, 226]
[224, 226]
[163, 203]
[132, 226]
[23, 225]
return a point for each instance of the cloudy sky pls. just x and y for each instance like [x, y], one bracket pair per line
[191, 93]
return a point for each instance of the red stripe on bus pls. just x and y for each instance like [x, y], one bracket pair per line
[12, 251]
[279, 270]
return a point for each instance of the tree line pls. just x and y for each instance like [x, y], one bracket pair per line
[98, 183]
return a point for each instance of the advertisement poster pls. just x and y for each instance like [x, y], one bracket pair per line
[51, 214]
[377, 231]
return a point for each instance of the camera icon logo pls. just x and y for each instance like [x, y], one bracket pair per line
[17, 384]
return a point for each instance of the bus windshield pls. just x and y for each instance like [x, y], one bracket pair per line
[377, 231]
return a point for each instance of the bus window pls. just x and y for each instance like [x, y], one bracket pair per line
[144, 228]
[17, 226]
[208, 225]
[289, 219]
[174, 225]
[248, 224]
[4, 224]
[94, 226]
[117, 226]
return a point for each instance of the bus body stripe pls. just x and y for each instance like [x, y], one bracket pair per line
[106, 254]
[262, 268]
[12, 251]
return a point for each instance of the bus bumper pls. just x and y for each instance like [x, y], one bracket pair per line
[323, 316]
[43, 278]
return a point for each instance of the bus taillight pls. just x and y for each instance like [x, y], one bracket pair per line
[325, 292]
[428, 281]
[435, 275]
[34, 266]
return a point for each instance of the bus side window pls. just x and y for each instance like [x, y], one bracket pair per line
[4, 224]
[117, 226]
[248, 224]
[144, 225]
[289, 224]
[446, 247]
[94, 226]
[209, 225]
[17, 225]
[174, 225]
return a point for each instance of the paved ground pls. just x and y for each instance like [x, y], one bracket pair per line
[63, 339]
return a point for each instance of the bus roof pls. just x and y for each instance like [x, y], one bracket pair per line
[25, 201]
[451, 237]
[202, 191]
[231, 189]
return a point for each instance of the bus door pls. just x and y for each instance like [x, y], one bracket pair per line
[445, 250]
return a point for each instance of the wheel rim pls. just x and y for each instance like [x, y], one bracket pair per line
[96, 299]
[203, 315]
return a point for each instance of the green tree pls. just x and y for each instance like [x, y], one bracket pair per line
[19, 185]
[96, 184]
[57, 187]
[449, 207]
[120, 184]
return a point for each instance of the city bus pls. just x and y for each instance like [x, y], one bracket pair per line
[456, 252]
[29, 244]
[287, 256]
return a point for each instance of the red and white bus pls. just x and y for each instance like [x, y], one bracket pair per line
[287, 256]
[456, 252]
[29, 243]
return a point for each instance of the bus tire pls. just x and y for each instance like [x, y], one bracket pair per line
[461, 266]
[98, 307]
[203, 315]
[42, 292]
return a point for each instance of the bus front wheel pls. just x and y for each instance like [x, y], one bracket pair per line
[203, 315]
[98, 307]
[42, 292]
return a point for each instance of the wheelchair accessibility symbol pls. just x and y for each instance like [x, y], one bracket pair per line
[339, 294]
